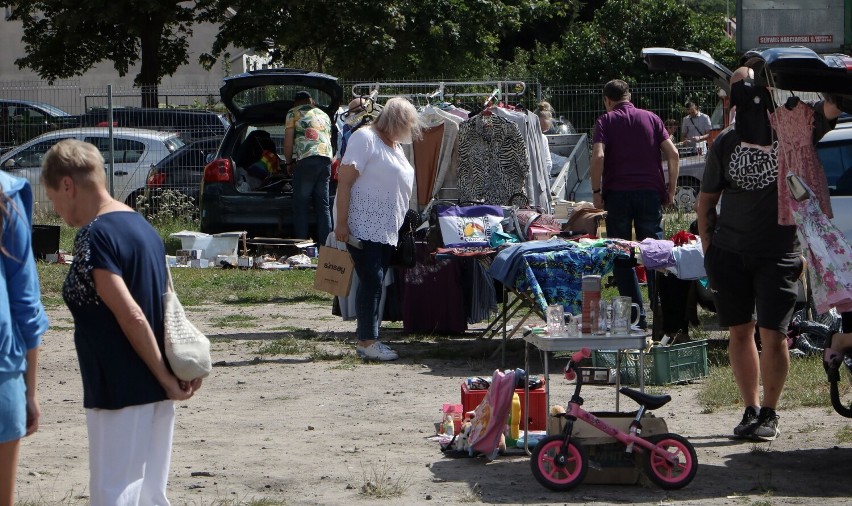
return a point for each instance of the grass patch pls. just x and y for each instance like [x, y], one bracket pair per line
[196, 286]
[806, 386]
[675, 220]
[305, 345]
[844, 434]
[377, 482]
[473, 495]
[235, 320]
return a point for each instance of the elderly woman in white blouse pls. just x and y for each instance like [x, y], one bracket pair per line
[374, 187]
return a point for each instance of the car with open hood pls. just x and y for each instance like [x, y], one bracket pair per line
[244, 188]
[791, 69]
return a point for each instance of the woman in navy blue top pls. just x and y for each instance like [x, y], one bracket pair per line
[114, 291]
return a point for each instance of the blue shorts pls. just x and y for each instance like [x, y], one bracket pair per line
[13, 407]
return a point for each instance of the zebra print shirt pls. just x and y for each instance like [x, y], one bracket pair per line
[493, 162]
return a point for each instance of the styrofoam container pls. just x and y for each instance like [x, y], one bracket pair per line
[214, 245]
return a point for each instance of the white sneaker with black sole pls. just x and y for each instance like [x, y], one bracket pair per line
[376, 351]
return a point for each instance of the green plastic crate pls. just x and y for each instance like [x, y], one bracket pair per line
[663, 364]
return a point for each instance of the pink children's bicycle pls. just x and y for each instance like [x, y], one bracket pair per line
[560, 462]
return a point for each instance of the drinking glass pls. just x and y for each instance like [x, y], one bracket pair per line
[556, 319]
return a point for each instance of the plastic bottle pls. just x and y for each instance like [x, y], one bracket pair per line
[515, 418]
[591, 287]
[449, 425]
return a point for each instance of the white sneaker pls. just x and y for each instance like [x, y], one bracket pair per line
[376, 351]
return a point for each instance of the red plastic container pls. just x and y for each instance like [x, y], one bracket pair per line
[538, 406]
[641, 275]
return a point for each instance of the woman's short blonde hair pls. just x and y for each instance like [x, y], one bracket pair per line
[79, 160]
[399, 120]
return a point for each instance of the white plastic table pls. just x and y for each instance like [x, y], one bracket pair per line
[547, 344]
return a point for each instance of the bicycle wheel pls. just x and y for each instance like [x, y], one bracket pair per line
[662, 472]
[557, 470]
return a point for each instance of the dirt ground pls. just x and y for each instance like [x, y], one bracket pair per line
[287, 429]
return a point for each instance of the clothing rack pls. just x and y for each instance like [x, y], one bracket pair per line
[441, 89]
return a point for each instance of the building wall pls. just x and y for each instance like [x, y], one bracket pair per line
[190, 79]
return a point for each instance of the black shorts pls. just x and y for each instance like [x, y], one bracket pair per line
[743, 283]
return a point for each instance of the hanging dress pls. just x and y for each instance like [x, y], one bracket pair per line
[828, 254]
[797, 154]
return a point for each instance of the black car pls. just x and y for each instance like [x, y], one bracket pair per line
[22, 120]
[192, 124]
[234, 196]
[181, 171]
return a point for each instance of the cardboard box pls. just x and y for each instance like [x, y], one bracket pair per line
[538, 405]
[616, 467]
[597, 376]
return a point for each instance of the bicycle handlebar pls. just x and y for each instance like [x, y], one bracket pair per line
[576, 358]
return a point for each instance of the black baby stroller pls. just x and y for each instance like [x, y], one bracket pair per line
[809, 338]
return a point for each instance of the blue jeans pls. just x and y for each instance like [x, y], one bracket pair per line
[625, 210]
[310, 183]
[371, 264]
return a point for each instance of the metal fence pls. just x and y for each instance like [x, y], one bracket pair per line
[582, 104]
[577, 105]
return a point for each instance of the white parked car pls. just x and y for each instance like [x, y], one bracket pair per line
[134, 152]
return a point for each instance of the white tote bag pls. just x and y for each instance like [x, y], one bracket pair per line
[187, 349]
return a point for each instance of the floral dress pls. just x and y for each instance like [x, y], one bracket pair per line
[828, 254]
[797, 155]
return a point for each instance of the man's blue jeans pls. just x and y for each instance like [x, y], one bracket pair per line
[371, 263]
[625, 210]
[310, 185]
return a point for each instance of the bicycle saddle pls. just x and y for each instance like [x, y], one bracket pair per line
[650, 401]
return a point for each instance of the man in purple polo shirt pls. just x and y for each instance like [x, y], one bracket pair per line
[627, 178]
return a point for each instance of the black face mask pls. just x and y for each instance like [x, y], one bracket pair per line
[754, 103]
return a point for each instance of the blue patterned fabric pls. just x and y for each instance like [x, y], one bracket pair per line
[555, 277]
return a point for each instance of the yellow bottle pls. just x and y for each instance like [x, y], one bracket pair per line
[515, 418]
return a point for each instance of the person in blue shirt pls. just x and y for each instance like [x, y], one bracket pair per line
[22, 322]
[114, 290]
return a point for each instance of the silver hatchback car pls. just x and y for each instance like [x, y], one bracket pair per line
[134, 151]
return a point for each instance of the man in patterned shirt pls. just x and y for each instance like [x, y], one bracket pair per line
[307, 151]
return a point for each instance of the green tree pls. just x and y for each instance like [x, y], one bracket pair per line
[610, 46]
[713, 7]
[378, 40]
[65, 39]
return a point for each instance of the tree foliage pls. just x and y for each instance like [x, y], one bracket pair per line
[361, 39]
[379, 40]
[610, 45]
[65, 39]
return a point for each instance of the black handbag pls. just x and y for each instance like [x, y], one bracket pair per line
[405, 253]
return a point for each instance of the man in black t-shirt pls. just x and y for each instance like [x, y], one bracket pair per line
[753, 263]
